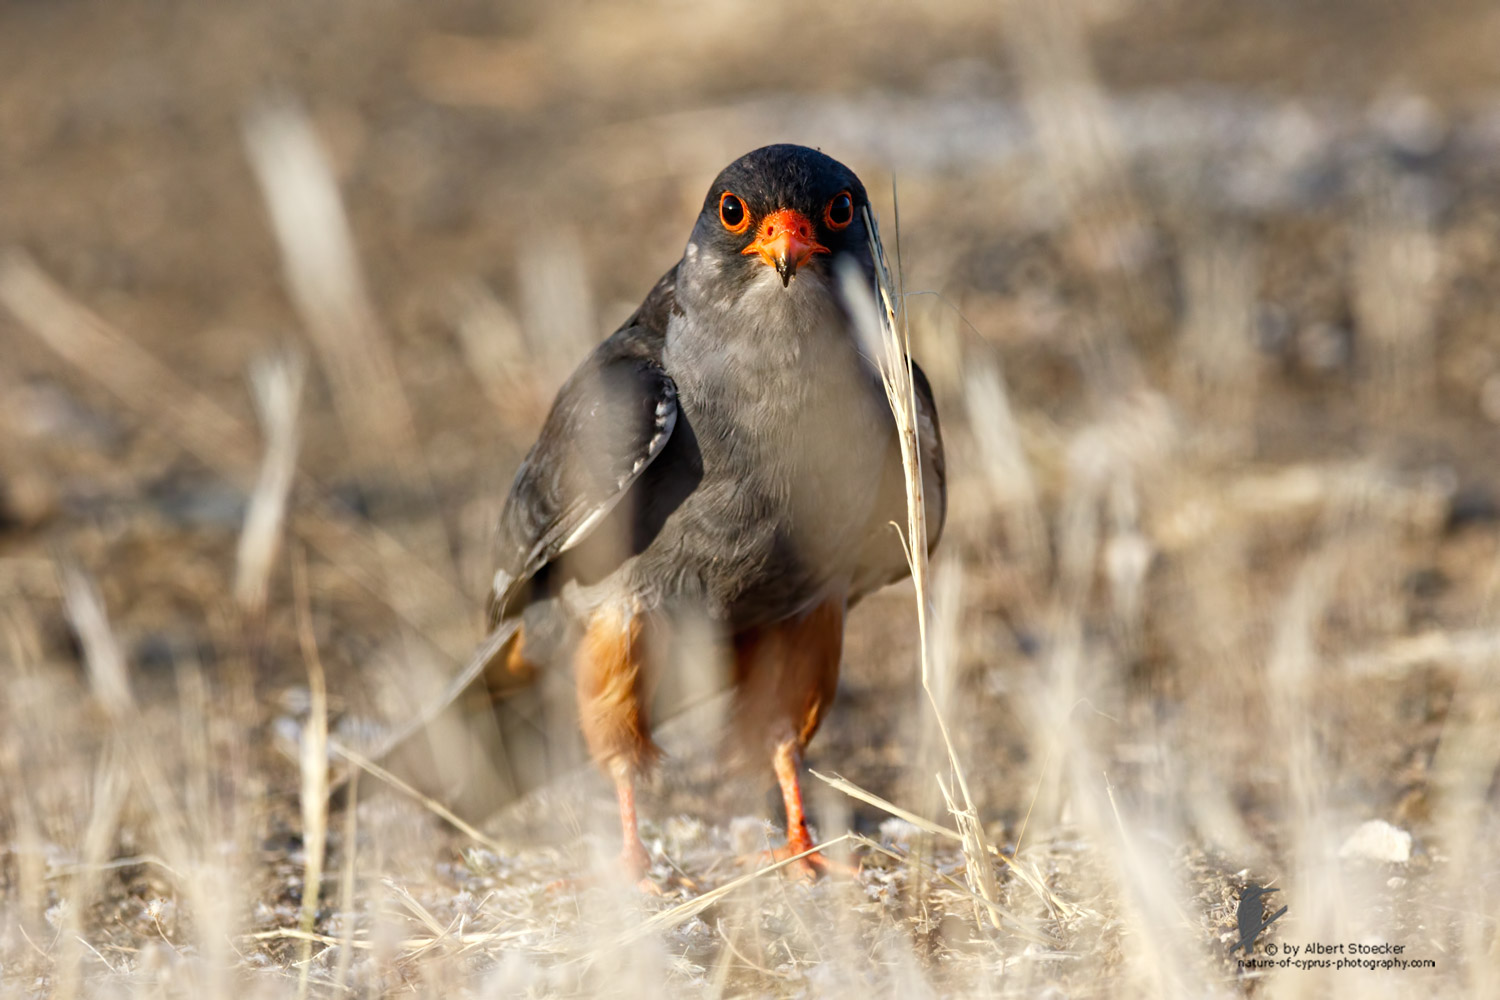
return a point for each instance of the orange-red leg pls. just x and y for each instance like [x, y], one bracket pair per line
[613, 692]
[634, 859]
[787, 760]
[786, 676]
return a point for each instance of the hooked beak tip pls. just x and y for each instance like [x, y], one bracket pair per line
[785, 241]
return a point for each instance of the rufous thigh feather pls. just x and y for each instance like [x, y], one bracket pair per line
[786, 676]
[511, 669]
[614, 692]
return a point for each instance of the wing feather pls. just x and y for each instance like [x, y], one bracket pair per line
[609, 422]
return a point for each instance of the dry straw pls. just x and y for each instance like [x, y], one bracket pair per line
[277, 382]
[888, 341]
[200, 426]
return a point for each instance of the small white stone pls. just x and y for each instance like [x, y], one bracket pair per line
[1410, 122]
[747, 835]
[683, 831]
[57, 914]
[1377, 840]
[899, 831]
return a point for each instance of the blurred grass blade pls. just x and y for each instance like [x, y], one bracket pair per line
[875, 320]
[277, 382]
[102, 658]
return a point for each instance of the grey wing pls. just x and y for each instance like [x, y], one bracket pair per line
[610, 420]
[882, 560]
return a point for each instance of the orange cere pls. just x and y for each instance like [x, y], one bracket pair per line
[784, 240]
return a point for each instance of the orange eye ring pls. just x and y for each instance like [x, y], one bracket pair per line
[840, 211]
[733, 213]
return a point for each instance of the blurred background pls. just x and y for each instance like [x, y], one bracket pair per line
[1208, 296]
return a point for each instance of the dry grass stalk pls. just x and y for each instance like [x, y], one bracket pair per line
[1199, 510]
[138, 379]
[427, 802]
[849, 788]
[478, 659]
[371, 556]
[108, 675]
[1165, 958]
[1026, 873]
[1216, 362]
[1396, 283]
[558, 317]
[323, 273]
[1064, 102]
[355, 352]
[889, 343]
[1008, 474]
[111, 787]
[1471, 653]
[277, 382]
[1025, 927]
[347, 884]
[1289, 678]
[135, 860]
[416, 909]
[1464, 768]
[183, 818]
[102, 658]
[409, 945]
[314, 768]
[668, 919]
[495, 349]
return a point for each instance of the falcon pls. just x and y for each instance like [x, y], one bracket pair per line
[727, 456]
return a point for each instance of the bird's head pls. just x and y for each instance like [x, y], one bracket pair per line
[780, 210]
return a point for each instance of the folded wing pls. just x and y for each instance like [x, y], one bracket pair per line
[610, 420]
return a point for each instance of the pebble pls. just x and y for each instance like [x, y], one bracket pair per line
[1377, 840]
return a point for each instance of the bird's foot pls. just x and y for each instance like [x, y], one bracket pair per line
[804, 869]
[635, 862]
[574, 884]
[634, 867]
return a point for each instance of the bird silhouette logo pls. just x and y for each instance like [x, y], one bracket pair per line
[1251, 917]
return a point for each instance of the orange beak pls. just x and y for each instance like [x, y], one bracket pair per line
[784, 240]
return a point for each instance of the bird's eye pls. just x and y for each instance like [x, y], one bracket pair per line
[840, 211]
[732, 213]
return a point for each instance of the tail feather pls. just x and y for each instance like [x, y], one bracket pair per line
[482, 657]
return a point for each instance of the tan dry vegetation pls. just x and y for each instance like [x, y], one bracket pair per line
[284, 292]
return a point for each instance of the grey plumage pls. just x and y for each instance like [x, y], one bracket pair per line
[727, 456]
[728, 451]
